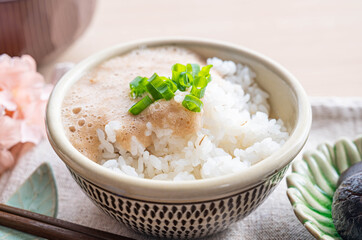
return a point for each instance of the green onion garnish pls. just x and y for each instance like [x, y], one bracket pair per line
[141, 105]
[153, 83]
[170, 83]
[205, 71]
[185, 80]
[192, 103]
[162, 88]
[178, 67]
[159, 87]
[199, 87]
[138, 86]
[193, 68]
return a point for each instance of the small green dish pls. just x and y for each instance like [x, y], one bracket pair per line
[37, 194]
[312, 184]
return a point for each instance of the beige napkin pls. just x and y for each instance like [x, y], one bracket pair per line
[274, 219]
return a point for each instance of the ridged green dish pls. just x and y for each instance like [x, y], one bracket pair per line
[312, 184]
[37, 194]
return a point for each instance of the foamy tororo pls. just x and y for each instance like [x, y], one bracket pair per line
[103, 95]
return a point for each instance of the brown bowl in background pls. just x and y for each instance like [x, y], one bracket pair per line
[42, 28]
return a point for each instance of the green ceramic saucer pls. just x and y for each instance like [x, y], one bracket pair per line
[37, 194]
[313, 181]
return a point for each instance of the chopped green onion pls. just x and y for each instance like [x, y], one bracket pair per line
[141, 105]
[152, 89]
[159, 88]
[175, 79]
[199, 93]
[205, 71]
[180, 87]
[192, 103]
[185, 80]
[200, 82]
[170, 84]
[199, 87]
[177, 70]
[178, 67]
[164, 89]
[193, 68]
[138, 86]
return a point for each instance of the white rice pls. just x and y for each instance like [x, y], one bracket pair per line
[236, 133]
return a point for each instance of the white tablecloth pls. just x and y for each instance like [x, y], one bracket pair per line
[274, 219]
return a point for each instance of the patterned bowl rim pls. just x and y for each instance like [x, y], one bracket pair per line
[167, 190]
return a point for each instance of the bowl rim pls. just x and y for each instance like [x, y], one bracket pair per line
[169, 191]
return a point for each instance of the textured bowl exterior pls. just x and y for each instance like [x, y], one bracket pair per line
[312, 184]
[179, 220]
[190, 208]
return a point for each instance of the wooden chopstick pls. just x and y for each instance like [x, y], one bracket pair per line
[49, 227]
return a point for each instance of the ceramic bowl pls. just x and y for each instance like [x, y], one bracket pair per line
[191, 208]
[312, 184]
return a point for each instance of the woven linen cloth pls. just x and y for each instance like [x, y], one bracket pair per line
[333, 118]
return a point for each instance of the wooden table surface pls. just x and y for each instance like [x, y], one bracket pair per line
[320, 42]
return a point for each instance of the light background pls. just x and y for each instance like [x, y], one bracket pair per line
[320, 42]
